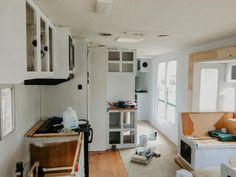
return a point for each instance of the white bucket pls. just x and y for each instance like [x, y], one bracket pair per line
[143, 140]
[183, 173]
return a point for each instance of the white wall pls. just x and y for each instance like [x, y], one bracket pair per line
[14, 148]
[56, 99]
[120, 87]
[97, 97]
[12, 70]
[182, 57]
[12, 41]
[144, 100]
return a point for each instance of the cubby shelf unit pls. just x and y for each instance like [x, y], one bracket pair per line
[122, 61]
[122, 128]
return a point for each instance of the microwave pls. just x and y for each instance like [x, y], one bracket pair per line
[71, 54]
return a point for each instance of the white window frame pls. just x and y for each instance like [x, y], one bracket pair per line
[166, 91]
[196, 85]
[13, 111]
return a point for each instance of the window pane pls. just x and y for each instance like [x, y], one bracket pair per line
[170, 113]
[171, 82]
[161, 80]
[161, 109]
[208, 89]
[6, 111]
[228, 99]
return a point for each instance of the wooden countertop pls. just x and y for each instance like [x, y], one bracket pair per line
[31, 133]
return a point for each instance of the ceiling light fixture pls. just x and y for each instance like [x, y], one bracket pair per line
[103, 7]
[129, 39]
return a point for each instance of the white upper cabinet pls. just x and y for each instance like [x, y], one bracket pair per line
[31, 47]
[61, 52]
[50, 49]
[39, 42]
[122, 61]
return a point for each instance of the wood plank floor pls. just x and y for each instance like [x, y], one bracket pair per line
[106, 164]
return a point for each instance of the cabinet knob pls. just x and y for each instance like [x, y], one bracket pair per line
[34, 43]
[46, 48]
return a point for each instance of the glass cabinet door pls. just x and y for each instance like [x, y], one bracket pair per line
[31, 37]
[50, 49]
[44, 48]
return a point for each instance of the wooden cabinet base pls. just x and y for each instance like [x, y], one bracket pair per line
[52, 155]
[58, 158]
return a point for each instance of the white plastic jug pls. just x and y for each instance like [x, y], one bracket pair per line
[183, 173]
[70, 119]
[143, 140]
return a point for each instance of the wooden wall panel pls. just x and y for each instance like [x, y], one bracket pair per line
[222, 122]
[187, 124]
[199, 123]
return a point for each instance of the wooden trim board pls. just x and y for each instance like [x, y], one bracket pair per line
[31, 131]
[77, 154]
[182, 164]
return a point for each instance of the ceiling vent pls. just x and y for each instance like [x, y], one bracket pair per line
[105, 34]
[103, 7]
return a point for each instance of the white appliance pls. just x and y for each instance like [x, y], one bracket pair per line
[144, 65]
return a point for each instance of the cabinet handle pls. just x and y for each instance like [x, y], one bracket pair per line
[34, 43]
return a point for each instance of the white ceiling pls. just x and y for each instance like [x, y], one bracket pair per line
[187, 22]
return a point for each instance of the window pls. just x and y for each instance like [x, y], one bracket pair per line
[7, 111]
[166, 84]
[208, 89]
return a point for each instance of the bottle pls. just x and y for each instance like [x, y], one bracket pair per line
[70, 119]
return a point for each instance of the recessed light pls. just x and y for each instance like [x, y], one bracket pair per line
[163, 35]
[105, 34]
[128, 39]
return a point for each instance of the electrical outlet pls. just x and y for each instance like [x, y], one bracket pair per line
[80, 87]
